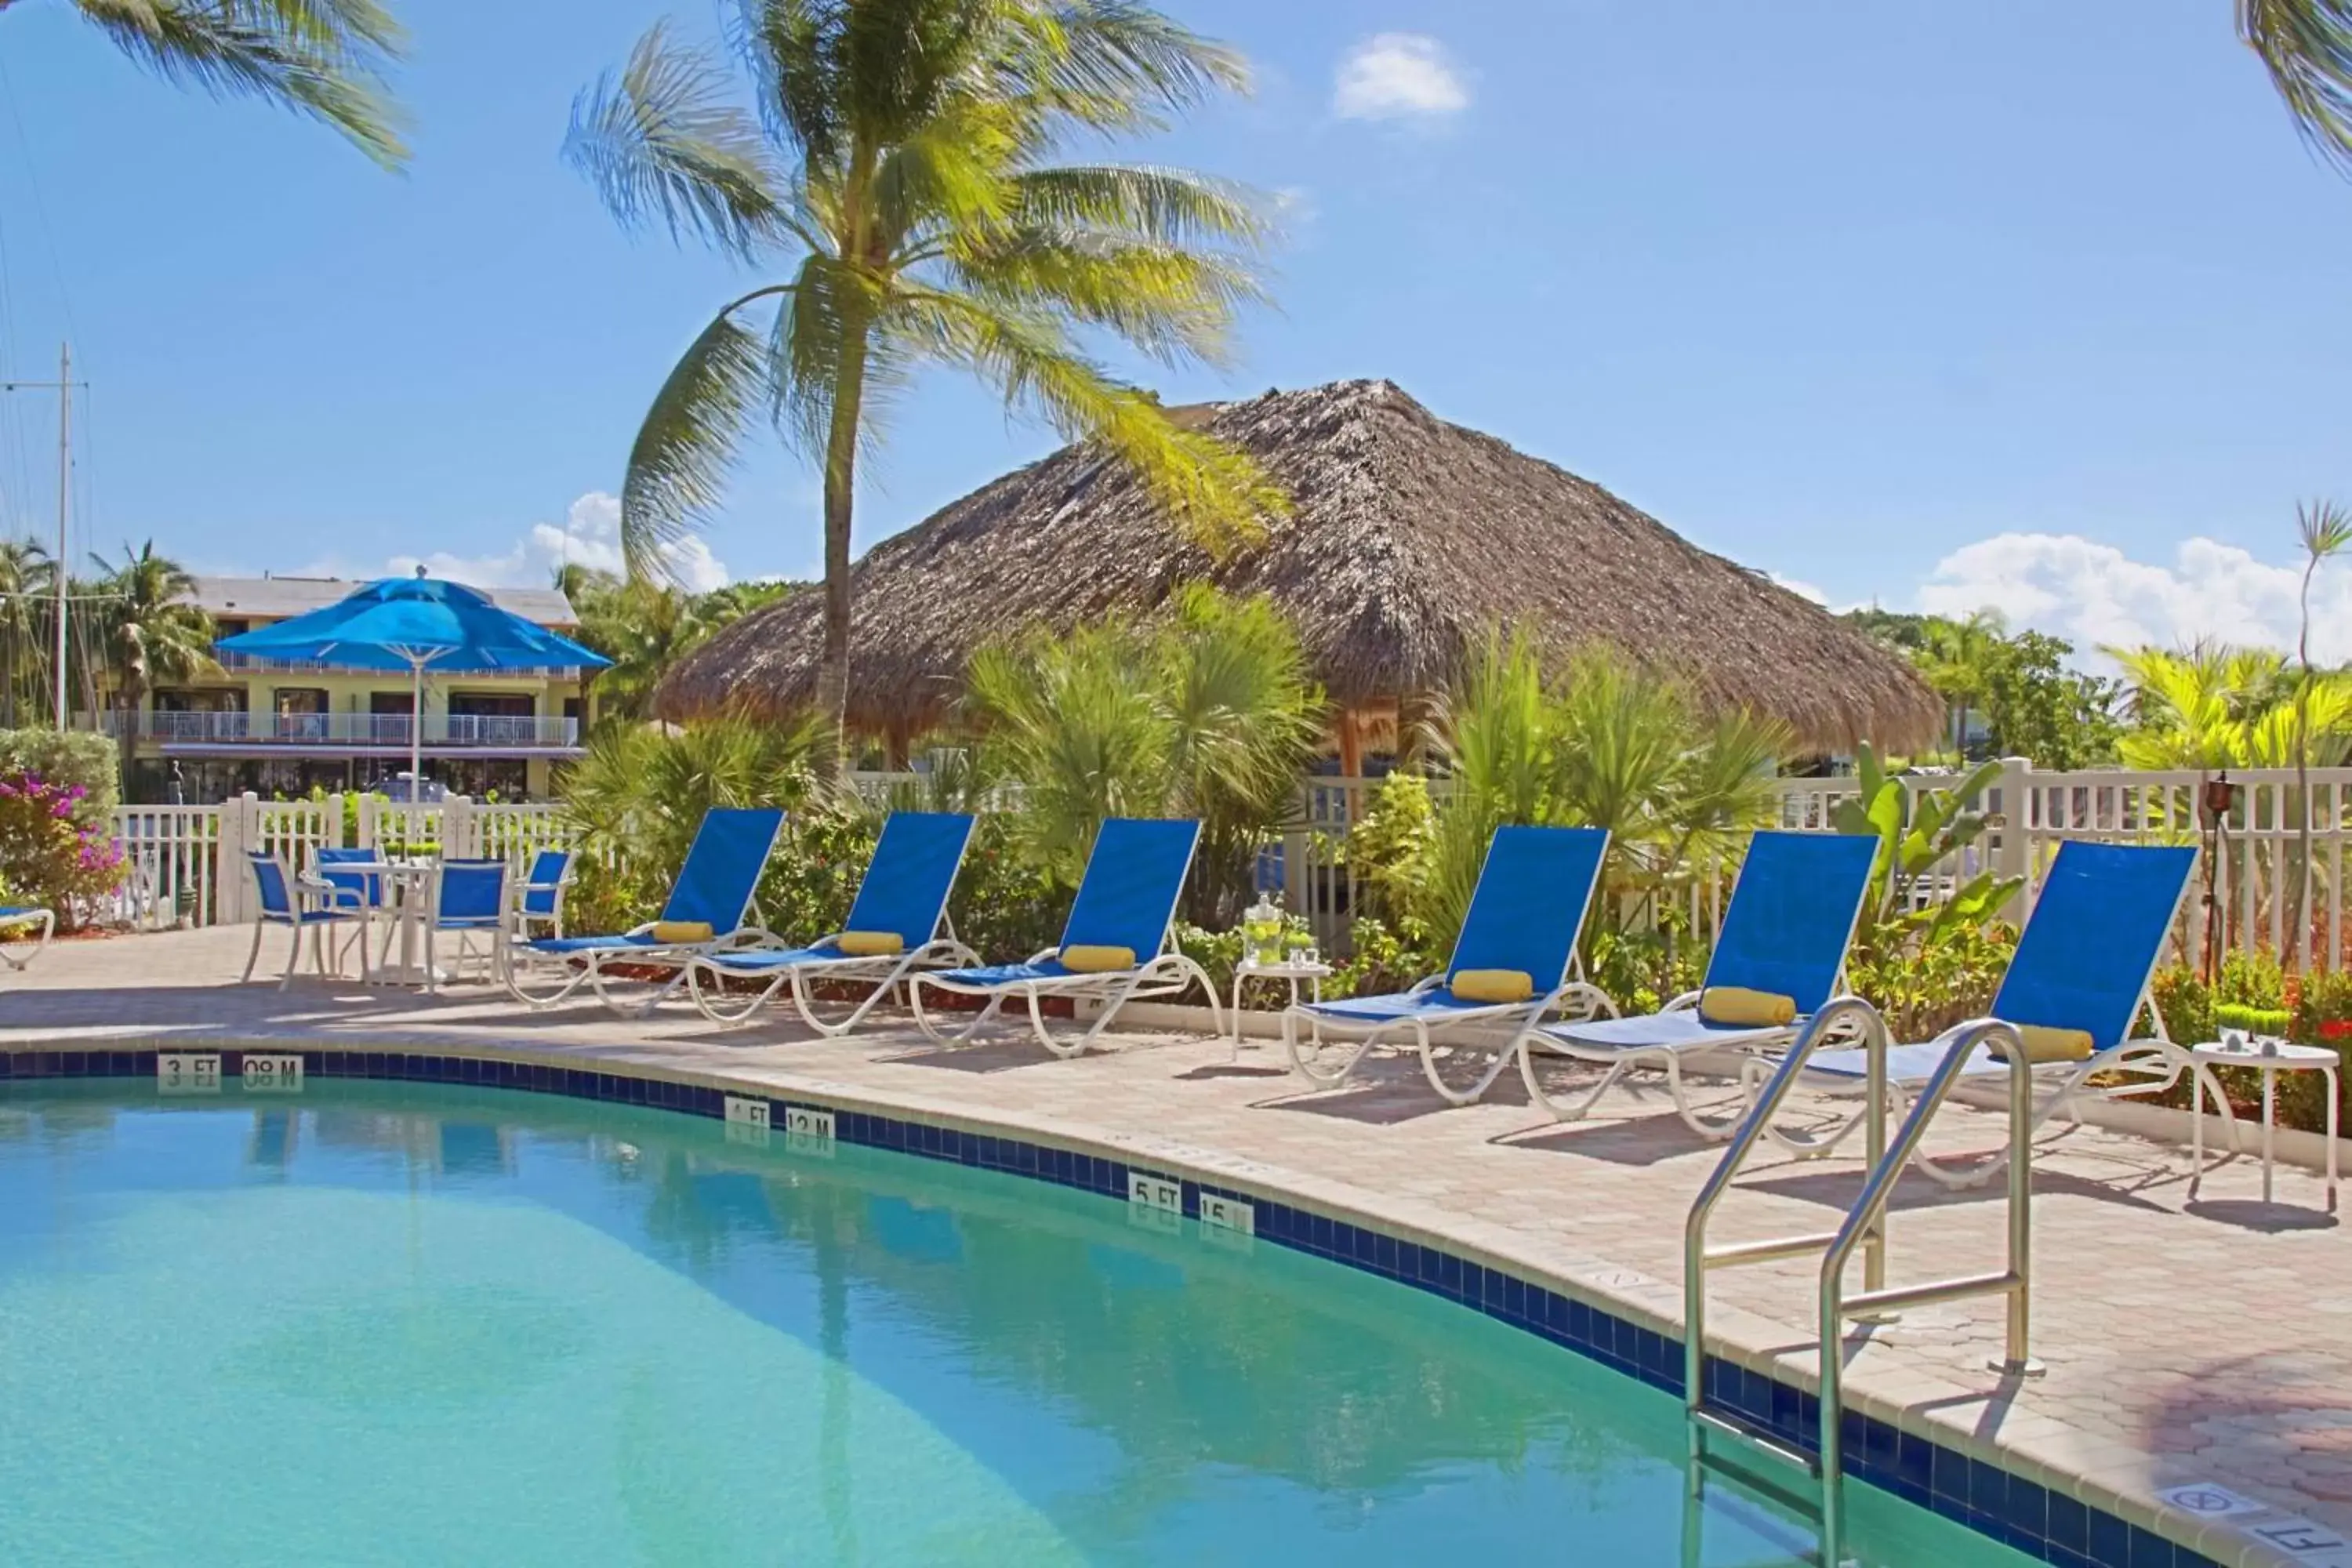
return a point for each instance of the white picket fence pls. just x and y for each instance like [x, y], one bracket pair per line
[2242, 895]
[186, 863]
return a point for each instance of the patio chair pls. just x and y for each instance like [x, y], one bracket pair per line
[1125, 909]
[707, 908]
[468, 899]
[893, 929]
[2076, 986]
[376, 899]
[299, 904]
[1776, 961]
[539, 899]
[1512, 964]
[17, 920]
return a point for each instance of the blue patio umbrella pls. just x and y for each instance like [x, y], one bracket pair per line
[408, 623]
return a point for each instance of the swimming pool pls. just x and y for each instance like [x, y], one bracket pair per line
[422, 1323]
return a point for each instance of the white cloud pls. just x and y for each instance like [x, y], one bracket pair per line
[2093, 594]
[1397, 76]
[590, 535]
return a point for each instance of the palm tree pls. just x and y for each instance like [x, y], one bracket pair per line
[898, 171]
[322, 58]
[152, 634]
[26, 578]
[2325, 529]
[1953, 659]
[2306, 46]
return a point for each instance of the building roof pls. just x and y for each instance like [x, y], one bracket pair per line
[277, 598]
[1410, 539]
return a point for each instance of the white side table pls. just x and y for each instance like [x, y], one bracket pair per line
[2280, 1058]
[1292, 971]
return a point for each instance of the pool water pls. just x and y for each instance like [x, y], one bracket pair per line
[418, 1324]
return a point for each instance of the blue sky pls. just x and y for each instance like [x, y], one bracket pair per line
[2006, 302]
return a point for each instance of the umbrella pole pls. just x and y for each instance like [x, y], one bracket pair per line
[416, 735]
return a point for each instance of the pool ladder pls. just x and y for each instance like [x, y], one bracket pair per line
[1865, 1229]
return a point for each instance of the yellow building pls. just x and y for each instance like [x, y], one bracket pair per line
[284, 727]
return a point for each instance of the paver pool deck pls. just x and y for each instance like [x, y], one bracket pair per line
[2188, 1341]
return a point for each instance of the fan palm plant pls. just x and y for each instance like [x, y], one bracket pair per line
[1210, 713]
[321, 58]
[151, 635]
[1608, 745]
[899, 169]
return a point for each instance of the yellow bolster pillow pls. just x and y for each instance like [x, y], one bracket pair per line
[870, 943]
[1089, 960]
[1737, 1005]
[1492, 984]
[2043, 1043]
[682, 930]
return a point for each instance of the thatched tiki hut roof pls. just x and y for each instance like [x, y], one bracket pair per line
[1410, 537]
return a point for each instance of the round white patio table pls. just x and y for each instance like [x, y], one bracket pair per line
[413, 881]
[1292, 970]
[2280, 1057]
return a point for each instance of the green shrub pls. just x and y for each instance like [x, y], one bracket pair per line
[1643, 971]
[72, 757]
[1390, 850]
[1385, 959]
[1005, 905]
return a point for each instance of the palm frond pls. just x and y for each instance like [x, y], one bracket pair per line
[1118, 63]
[1218, 495]
[660, 139]
[322, 58]
[2306, 46]
[793, 50]
[686, 443]
[1169, 302]
[1171, 207]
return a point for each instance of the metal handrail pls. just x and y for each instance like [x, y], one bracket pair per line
[1834, 1014]
[1864, 1223]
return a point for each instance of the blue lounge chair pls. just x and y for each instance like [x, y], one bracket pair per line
[1126, 902]
[1785, 934]
[300, 904]
[2084, 962]
[1524, 918]
[714, 888]
[903, 896]
[17, 920]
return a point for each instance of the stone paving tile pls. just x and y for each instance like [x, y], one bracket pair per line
[2185, 1341]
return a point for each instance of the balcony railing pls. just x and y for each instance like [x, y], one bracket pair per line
[390, 731]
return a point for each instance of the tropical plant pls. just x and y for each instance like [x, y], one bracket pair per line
[2323, 530]
[321, 58]
[899, 163]
[1611, 745]
[2215, 706]
[151, 635]
[1925, 961]
[2035, 707]
[1207, 712]
[27, 578]
[640, 793]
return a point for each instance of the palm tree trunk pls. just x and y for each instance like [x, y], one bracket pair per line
[840, 494]
[2297, 921]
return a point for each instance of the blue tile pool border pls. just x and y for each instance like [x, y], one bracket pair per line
[2041, 1522]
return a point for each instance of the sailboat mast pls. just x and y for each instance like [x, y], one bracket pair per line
[65, 489]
